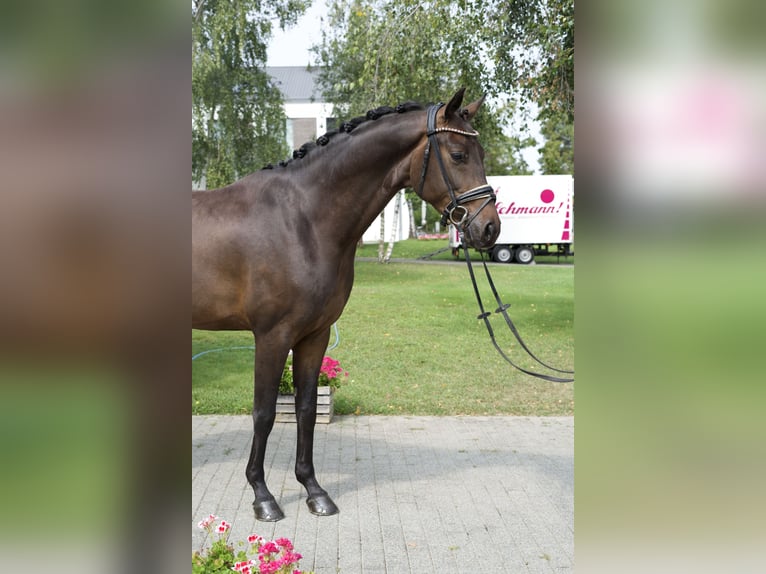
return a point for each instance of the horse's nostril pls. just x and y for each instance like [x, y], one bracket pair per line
[489, 231]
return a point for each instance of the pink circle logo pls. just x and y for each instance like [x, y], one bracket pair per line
[547, 195]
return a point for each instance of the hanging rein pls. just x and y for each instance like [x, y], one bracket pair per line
[458, 215]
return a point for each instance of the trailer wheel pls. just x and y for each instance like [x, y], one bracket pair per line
[525, 255]
[502, 254]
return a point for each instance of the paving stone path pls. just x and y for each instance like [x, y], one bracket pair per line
[416, 494]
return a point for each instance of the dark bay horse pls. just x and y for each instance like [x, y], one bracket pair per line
[273, 253]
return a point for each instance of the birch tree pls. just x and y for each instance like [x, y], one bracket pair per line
[238, 123]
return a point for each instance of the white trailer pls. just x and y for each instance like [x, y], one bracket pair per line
[536, 217]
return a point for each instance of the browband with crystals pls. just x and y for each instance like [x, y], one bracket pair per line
[455, 130]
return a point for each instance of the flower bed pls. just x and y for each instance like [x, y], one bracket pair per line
[329, 380]
[273, 556]
[325, 406]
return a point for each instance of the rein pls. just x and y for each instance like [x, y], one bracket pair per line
[462, 222]
[503, 310]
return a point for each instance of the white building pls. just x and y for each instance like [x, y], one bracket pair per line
[308, 116]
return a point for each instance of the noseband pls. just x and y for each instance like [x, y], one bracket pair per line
[455, 213]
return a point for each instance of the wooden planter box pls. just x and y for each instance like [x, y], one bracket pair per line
[325, 407]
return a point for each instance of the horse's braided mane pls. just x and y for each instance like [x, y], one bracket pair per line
[347, 127]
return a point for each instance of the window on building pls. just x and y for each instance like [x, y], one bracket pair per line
[303, 130]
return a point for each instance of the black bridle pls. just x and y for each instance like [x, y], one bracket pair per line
[450, 213]
[461, 223]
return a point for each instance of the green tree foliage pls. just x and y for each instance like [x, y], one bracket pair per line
[376, 52]
[238, 123]
[557, 152]
[534, 53]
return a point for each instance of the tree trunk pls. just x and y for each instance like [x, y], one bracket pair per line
[394, 227]
[382, 236]
[413, 228]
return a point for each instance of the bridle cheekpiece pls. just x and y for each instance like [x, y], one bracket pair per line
[455, 213]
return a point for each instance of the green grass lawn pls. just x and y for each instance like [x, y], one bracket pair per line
[411, 342]
[414, 248]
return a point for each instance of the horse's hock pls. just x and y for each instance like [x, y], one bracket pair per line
[325, 406]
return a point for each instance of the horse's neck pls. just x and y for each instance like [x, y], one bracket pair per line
[362, 177]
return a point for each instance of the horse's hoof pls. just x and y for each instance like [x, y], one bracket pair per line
[268, 511]
[321, 505]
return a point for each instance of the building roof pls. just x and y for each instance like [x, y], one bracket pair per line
[297, 83]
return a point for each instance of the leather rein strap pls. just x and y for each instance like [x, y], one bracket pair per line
[461, 222]
[503, 310]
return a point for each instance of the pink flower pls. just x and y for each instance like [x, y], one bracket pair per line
[267, 548]
[245, 567]
[284, 543]
[270, 567]
[203, 524]
[291, 558]
[330, 368]
[254, 539]
[223, 527]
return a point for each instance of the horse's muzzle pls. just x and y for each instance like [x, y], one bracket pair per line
[481, 234]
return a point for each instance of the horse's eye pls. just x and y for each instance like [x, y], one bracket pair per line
[458, 156]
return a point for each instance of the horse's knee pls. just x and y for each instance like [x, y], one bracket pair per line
[306, 414]
[263, 421]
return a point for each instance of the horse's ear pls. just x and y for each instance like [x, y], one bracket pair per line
[470, 110]
[454, 104]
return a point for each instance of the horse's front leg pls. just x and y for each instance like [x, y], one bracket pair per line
[269, 361]
[307, 361]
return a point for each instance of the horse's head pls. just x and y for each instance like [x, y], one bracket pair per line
[451, 174]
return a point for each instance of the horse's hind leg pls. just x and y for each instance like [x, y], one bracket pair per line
[269, 361]
[307, 361]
